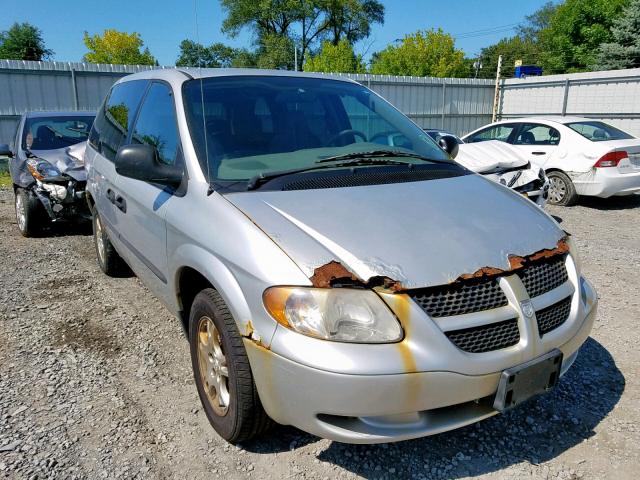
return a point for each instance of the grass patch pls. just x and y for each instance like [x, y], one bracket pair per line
[5, 179]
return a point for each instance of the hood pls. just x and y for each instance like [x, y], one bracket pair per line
[68, 160]
[419, 234]
[489, 156]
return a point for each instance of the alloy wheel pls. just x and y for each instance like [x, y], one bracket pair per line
[21, 215]
[212, 363]
[557, 189]
[100, 240]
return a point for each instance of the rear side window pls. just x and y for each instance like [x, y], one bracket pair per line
[536, 134]
[112, 125]
[497, 132]
[156, 124]
[598, 131]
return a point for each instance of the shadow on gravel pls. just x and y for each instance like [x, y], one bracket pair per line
[536, 432]
[611, 203]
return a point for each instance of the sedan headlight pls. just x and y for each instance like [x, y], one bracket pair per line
[339, 314]
[40, 169]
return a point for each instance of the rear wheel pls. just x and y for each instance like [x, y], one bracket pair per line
[222, 372]
[30, 215]
[109, 260]
[561, 189]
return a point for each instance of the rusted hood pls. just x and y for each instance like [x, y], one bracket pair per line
[419, 234]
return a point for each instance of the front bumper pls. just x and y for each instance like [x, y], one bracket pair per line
[606, 182]
[375, 408]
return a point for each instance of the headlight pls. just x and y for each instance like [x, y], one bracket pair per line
[40, 169]
[339, 314]
[574, 254]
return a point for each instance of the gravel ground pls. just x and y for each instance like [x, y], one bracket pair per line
[96, 382]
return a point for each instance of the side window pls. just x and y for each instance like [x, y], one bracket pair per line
[535, 134]
[497, 132]
[114, 119]
[156, 124]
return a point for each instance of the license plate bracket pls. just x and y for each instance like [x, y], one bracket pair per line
[520, 383]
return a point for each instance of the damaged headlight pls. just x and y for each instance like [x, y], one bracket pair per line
[339, 314]
[41, 170]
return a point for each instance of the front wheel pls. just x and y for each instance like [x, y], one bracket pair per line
[30, 215]
[561, 189]
[222, 372]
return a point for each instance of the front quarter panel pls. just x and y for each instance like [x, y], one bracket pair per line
[208, 234]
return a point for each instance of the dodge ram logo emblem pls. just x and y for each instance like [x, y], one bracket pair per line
[527, 308]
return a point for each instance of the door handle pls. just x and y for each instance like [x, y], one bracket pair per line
[121, 203]
[111, 196]
[538, 153]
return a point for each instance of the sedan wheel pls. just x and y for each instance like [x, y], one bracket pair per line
[561, 189]
[30, 215]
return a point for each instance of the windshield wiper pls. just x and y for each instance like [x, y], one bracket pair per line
[257, 180]
[379, 154]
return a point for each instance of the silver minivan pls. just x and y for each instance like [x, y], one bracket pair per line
[360, 291]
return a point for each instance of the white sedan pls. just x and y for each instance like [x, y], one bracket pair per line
[580, 156]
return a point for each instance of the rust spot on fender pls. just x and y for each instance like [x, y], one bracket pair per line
[248, 331]
[251, 335]
[334, 274]
[400, 304]
[517, 262]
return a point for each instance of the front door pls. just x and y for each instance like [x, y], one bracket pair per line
[141, 206]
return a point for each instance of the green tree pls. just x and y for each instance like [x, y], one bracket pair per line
[117, 47]
[429, 53]
[511, 49]
[217, 55]
[338, 58]
[624, 50]
[577, 28]
[536, 22]
[23, 41]
[275, 51]
[306, 21]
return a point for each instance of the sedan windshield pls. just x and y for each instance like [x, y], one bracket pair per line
[248, 126]
[598, 131]
[50, 133]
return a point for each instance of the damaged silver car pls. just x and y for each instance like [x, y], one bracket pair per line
[47, 168]
[361, 291]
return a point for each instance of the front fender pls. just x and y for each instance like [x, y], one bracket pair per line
[227, 285]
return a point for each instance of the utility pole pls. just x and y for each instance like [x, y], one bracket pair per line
[496, 97]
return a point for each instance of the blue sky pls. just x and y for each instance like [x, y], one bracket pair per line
[164, 23]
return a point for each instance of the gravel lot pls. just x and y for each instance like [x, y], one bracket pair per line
[96, 382]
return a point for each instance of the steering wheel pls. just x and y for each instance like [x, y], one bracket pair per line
[344, 133]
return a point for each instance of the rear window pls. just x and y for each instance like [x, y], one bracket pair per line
[598, 131]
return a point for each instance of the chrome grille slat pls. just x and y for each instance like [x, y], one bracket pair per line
[543, 277]
[449, 300]
[551, 317]
[486, 338]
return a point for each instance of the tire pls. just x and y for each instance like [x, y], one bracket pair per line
[110, 262]
[561, 189]
[231, 403]
[30, 214]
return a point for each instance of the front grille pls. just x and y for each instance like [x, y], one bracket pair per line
[540, 278]
[486, 338]
[457, 299]
[551, 317]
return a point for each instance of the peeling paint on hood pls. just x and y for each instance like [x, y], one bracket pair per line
[418, 234]
[68, 160]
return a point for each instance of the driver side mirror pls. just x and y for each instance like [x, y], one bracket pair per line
[5, 151]
[449, 145]
[142, 162]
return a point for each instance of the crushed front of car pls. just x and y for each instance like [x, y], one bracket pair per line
[405, 332]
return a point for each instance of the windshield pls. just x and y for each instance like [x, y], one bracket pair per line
[256, 125]
[50, 133]
[598, 131]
